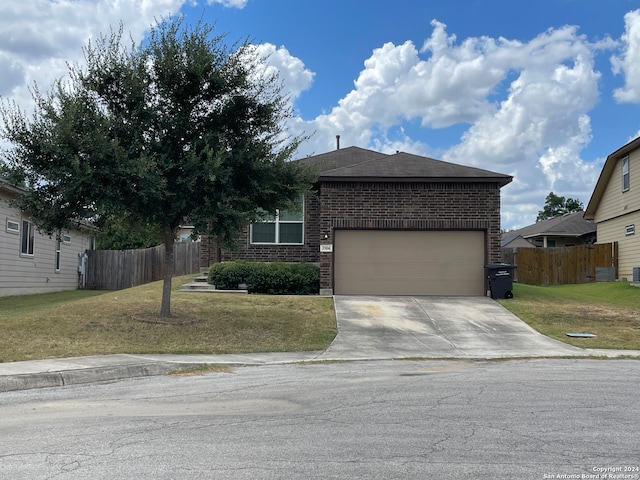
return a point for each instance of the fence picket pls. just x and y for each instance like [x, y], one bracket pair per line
[118, 269]
[562, 265]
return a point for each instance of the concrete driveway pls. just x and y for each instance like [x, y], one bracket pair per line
[377, 327]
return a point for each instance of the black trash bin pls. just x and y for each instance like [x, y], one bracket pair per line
[500, 280]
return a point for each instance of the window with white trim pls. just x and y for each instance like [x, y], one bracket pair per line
[66, 238]
[58, 252]
[285, 227]
[27, 238]
[625, 173]
[13, 226]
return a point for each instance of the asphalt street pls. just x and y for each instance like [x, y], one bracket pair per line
[403, 419]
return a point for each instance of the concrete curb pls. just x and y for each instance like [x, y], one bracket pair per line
[62, 378]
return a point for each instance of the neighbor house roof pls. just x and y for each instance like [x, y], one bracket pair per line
[508, 238]
[605, 175]
[567, 225]
[5, 185]
[358, 164]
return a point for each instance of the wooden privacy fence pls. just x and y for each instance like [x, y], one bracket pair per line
[118, 269]
[564, 265]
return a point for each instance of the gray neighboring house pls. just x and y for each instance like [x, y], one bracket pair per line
[31, 262]
[397, 224]
[566, 230]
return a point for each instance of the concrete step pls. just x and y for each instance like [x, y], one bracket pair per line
[203, 287]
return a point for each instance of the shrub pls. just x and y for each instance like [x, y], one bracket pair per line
[273, 278]
[229, 275]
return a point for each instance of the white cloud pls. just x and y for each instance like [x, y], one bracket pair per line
[230, 3]
[629, 62]
[39, 37]
[526, 104]
[295, 77]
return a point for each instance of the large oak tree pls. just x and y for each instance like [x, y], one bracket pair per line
[181, 126]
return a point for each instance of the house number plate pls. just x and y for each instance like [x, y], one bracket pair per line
[326, 248]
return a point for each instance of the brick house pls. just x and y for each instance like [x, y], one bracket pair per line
[398, 224]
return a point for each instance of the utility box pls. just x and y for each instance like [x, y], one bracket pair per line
[500, 279]
[605, 274]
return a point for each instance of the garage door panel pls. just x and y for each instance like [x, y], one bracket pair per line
[409, 262]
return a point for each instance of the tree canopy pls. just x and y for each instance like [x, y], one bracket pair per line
[122, 232]
[183, 125]
[554, 206]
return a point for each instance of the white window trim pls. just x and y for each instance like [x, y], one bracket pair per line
[58, 255]
[629, 230]
[31, 233]
[10, 228]
[277, 222]
[625, 174]
[66, 238]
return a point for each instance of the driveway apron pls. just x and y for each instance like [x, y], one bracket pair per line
[377, 327]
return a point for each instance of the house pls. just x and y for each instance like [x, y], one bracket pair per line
[31, 262]
[565, 230]
[515, 241]
[398, 224]
[615, 205]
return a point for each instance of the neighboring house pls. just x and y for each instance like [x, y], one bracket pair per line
[515, 241]
[397, 224]
[565, 230]
[31, 262]
[615, 205]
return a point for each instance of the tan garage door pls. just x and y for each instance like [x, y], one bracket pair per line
[390, 262]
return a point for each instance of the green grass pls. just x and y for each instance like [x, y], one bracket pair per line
[609, 310]
[93, 323]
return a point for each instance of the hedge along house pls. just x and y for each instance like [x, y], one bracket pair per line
[381, 224]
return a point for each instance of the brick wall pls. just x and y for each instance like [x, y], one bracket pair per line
[308, 252]
[409, 206]
[382, 205]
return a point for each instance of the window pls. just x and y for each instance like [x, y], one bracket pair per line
[58, 253]
[13, 226]
[66, 238]
[27, 239]
[625, 174]
[630, 230]
[283, 227]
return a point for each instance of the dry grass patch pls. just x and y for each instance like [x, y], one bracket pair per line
[126, 322]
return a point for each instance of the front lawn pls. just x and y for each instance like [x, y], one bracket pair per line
[87, 322]
[609, 310]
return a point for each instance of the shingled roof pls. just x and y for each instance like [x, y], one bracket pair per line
[567, 225]
[358, 164]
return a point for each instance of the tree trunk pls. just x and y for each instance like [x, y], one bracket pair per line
[169, 269]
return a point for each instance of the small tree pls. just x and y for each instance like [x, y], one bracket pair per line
[180, 126]
[554, 206]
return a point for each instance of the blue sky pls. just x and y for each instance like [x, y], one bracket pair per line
[543, 90]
